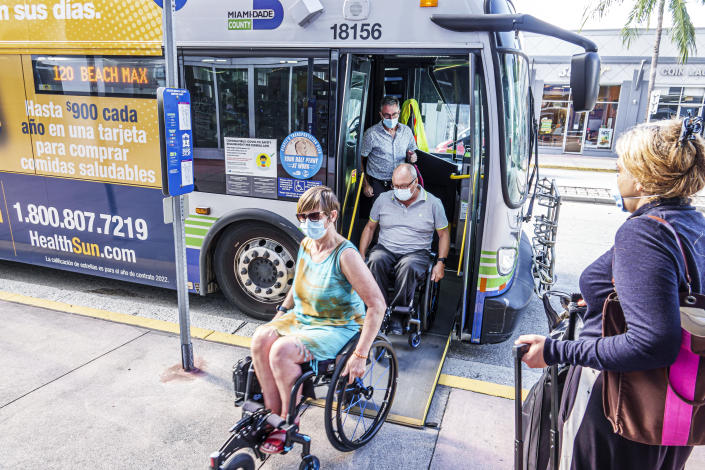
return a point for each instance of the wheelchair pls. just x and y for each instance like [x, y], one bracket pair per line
[418, 317]
[353, 413]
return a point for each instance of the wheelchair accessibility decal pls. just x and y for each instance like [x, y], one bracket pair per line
[301, 155]
[288, 187]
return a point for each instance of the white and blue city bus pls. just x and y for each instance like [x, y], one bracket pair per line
[281, 93]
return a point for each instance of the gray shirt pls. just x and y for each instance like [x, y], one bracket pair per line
[385, 152]
[402, 229]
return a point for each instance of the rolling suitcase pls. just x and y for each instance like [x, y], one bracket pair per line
[537, 433]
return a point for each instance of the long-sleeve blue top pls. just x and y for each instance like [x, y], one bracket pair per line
[649, 272]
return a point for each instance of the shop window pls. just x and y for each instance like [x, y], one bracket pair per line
[258, 102]
[676, 102]
[552, 123]
[594, 130]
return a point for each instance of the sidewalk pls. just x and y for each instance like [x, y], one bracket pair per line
[591, 195]
[81, 393]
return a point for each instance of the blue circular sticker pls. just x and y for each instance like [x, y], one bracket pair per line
[178, 4]
[301, 155]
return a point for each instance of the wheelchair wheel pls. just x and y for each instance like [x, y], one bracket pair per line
[241, 461]
[310, 462]
[355, 412]
[429, 304]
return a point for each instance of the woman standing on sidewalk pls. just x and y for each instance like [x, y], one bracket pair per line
[660, 165]
[324, 309]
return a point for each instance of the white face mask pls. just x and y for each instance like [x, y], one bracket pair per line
[403, 194]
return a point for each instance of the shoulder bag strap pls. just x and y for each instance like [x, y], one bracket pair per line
[680, 245]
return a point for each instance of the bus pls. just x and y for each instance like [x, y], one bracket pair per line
[281, 94]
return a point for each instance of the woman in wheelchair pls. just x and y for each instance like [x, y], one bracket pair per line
[322, 312]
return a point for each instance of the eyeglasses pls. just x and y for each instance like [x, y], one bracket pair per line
[312, 216]
[390, 116]
[403, 186]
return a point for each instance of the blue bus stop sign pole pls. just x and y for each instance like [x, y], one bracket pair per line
[177, 169]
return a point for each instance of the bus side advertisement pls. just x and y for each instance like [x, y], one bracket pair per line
[80, 171]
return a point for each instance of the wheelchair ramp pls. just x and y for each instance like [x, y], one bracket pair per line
[420, 368]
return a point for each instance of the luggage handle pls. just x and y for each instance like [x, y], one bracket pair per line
[518, 350]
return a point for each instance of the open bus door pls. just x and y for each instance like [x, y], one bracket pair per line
[356, 80]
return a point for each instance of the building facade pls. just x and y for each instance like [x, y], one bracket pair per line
[622, 100]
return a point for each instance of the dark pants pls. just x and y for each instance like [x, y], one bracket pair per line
[405, 270]
[378, 187]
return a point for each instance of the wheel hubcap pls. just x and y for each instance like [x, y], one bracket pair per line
[264, 269]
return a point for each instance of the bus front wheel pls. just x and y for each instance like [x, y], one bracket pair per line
[254, 266]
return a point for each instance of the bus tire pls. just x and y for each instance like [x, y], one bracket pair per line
[254, 265]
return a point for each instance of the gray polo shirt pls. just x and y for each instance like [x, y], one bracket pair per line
[385, 152]
[402, 229]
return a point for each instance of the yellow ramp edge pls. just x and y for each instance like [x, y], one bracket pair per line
[479, 386]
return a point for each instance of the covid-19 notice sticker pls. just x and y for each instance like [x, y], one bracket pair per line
[301, 155]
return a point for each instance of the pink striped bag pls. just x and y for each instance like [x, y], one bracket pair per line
[660, 406]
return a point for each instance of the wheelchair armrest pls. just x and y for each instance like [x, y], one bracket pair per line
[400, 309]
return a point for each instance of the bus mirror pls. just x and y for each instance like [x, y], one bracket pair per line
[585, 80]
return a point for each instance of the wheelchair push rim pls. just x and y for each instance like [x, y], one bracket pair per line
[355, 412]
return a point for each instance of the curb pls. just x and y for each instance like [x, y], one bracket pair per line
[576, 168]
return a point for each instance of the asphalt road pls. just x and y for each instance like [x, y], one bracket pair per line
[585, 231]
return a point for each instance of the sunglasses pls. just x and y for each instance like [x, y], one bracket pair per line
[312, 216]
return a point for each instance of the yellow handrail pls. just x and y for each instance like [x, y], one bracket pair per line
[462, 245]
[357, 200]
[351, 181]
[459, 177]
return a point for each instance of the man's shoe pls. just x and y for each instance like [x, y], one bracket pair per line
[395, 327]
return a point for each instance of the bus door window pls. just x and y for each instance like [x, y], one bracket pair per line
[255, 98]
[351, 128]
[514, 78]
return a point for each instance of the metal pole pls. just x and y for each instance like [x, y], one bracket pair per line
[178, 201]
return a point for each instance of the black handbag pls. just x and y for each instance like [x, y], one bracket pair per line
[245, 382]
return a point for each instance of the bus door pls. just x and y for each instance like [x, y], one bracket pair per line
[470, 214]
[355, 70]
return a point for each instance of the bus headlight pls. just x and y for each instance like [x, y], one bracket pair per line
[506, 257]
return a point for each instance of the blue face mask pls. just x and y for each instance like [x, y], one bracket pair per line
[618, 199]
[313, 230]
[390, 123]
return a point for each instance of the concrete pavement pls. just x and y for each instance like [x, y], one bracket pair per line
[81, 392]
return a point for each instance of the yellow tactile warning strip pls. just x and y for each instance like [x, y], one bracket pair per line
[478, 386]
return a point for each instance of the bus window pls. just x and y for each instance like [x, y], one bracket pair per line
[515, 102]
[255, 98]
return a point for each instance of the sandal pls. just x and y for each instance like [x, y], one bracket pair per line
[274, 444]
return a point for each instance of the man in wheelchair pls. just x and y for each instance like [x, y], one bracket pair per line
[407, 218]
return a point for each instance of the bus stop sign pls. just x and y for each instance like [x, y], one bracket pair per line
[176, 140]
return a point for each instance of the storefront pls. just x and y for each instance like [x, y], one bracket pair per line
[622, 100]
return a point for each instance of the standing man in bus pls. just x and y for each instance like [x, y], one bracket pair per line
[384, 146]
[407, 217]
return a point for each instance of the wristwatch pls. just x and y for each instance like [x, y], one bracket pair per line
[442, 260]
[281, 308]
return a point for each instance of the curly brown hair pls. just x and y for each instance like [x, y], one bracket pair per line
[655, 156]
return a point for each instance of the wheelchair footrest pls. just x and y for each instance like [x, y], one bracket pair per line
[251, 406]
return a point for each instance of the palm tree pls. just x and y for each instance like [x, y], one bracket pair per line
[682, 32]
